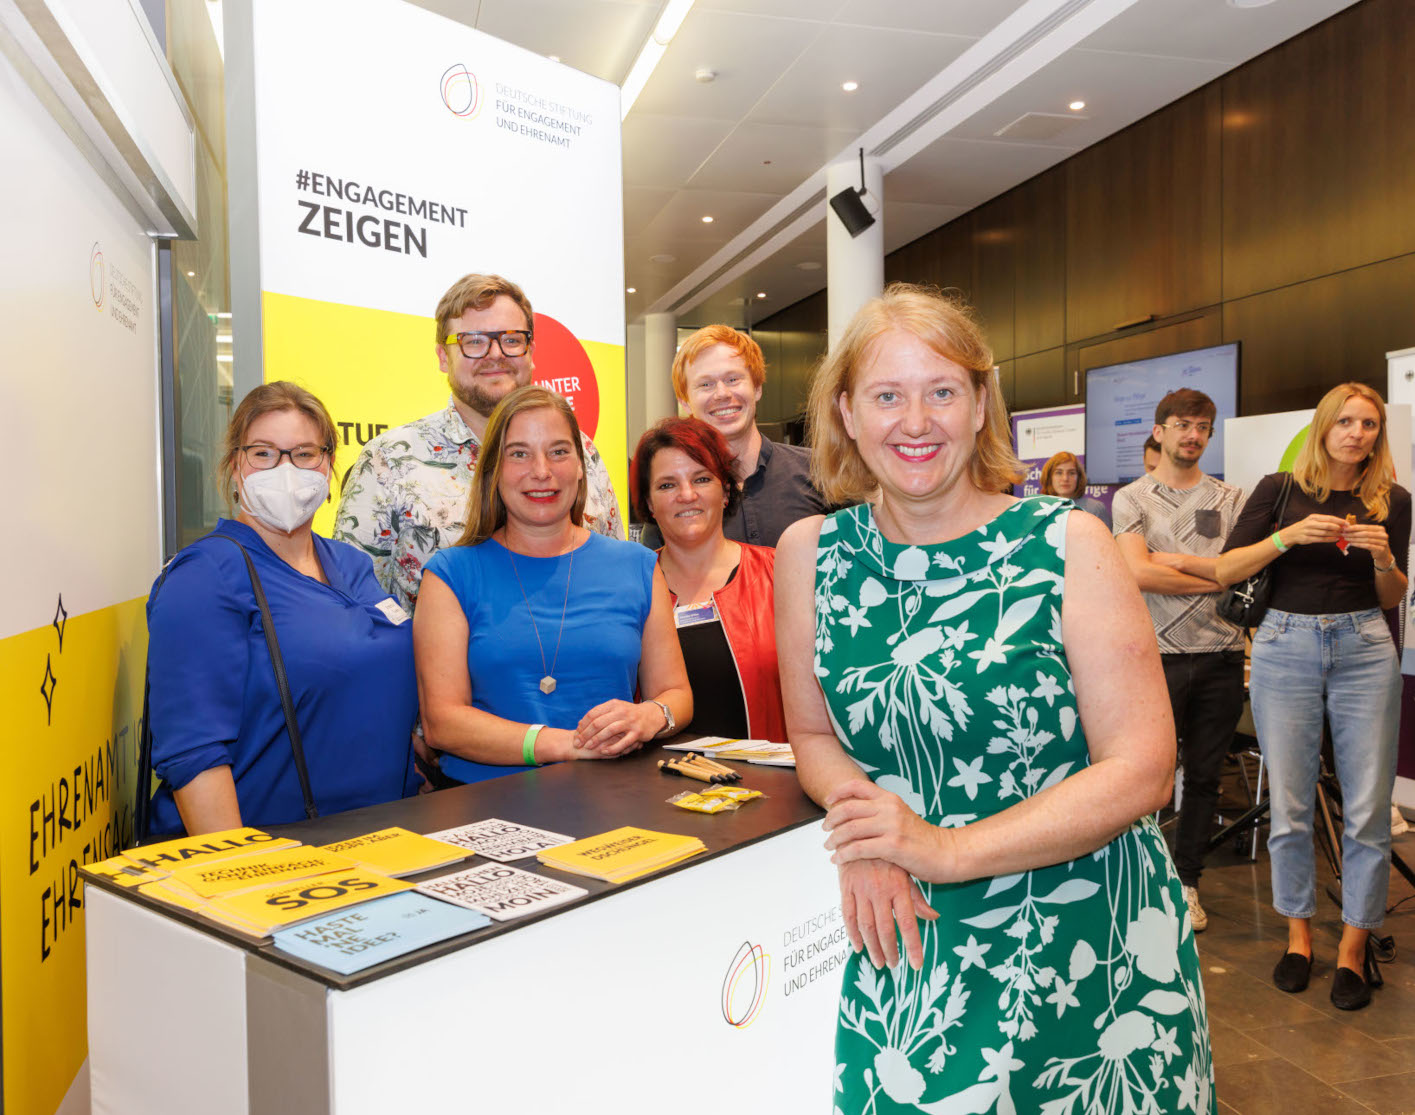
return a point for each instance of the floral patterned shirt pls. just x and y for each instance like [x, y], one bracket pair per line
[406, 497]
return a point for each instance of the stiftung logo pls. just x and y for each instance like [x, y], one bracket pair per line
[461, 92]
[97, 279]
[744, 986]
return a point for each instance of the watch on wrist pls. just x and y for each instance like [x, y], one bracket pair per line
[670, 725]
[1386, 568]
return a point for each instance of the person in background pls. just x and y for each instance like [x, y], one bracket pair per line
[948, 661]
[721, 590]
[1170, 526]
[533, 632]
[1063, 475]
[1324, 650]
[220, 744]
[1151, 453]
[718, 375]
[405, 496]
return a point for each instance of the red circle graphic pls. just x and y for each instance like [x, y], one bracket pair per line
[563, 365]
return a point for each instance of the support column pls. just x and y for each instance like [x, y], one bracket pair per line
[660, 345]
[854, 264]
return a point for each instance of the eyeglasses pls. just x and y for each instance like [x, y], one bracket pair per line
[1183, 427]
[261, 457]
[511, 342]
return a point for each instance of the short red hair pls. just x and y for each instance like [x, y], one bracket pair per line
[697, 439]
[704, 339]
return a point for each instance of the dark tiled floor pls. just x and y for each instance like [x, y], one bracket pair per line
[1293, 1054]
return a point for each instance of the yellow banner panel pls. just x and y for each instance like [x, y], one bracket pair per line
[72, 695]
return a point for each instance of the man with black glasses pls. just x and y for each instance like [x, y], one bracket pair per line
[406, 496]
[1170, 525]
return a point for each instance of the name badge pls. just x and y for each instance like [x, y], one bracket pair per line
[688, 616]
[393, 610]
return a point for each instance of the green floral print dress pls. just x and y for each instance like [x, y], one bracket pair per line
[1061, 990]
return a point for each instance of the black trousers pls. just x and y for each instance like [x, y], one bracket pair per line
[1206, 694]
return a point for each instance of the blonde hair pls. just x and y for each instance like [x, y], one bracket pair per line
[477, 292]
[486, 511]
[704, 339]
[947, 327]
[1312, 468]
[269, 398]
[1055, 462]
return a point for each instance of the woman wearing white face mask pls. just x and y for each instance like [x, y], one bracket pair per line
[221, 741]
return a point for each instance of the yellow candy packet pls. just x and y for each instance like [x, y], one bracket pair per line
[738, 794]
[702, 804]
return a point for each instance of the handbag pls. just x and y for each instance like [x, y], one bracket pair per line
[142, 817]
[1244, 603]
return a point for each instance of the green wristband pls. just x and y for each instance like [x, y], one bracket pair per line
[528, 745]
[1282, 547]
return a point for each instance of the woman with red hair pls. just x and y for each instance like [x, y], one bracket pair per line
[722, 591]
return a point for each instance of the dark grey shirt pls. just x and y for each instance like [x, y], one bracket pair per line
[776, 495]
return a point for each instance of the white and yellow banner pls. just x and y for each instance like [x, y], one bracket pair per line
[397, 151]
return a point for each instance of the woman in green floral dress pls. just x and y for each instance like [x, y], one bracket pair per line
[973, 691]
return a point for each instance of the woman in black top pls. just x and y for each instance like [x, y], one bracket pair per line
[1340, 553]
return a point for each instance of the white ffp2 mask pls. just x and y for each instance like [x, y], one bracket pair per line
[284, 497]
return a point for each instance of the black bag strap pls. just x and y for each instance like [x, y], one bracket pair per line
[1281, 506]
[141, 815]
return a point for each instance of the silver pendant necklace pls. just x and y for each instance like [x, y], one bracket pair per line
[547, 683]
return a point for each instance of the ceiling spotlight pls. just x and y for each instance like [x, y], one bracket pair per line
[1249, 3]
[761, 294]
[1076, 106]
[553, 57]
[631, 290]
[707, 220]
[191, 274]
[849, 86]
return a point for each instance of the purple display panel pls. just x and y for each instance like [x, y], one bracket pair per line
[1039, 434]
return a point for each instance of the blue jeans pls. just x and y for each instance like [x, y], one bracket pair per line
[1345, 665]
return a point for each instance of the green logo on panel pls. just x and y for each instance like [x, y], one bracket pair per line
[1289, 455]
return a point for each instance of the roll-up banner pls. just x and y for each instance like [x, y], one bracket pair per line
[396, 151]
[78, 391]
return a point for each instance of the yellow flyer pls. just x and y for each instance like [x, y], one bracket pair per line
[237, 873]
[396, 851]
[272, 908]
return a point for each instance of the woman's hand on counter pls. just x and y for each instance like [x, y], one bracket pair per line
[617, 727]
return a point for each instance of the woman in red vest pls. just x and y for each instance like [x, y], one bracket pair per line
[681, 478]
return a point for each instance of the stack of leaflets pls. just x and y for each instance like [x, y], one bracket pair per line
[349, 941]
[501, 892]
[157, 861]
[621, 855]
[397, 852]
[758, 751]
[502, 841]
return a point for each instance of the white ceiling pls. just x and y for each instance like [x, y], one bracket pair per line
[750, 147]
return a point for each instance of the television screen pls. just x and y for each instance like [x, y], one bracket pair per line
[1121, 401]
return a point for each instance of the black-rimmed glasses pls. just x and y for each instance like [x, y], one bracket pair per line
[511, 342]
[261, 457]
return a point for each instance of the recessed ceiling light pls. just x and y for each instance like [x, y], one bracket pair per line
[707, 220]
[663, 257]
[1076, 106]
[191, 274]
[553, 57]
[761, 294]
[631, 290]
[1249, 3]
[849, 86]
[808, 265]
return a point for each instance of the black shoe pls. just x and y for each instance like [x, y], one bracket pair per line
[1292, 972]
[1349, 990]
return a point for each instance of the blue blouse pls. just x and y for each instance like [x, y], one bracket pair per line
[214, 701]
[610, 595]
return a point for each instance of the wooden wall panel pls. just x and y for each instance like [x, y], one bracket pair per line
[1143, 219]
[1301, 340]
[1038, 379]
[1319, 152]
[995, 271]
[1040, 298]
